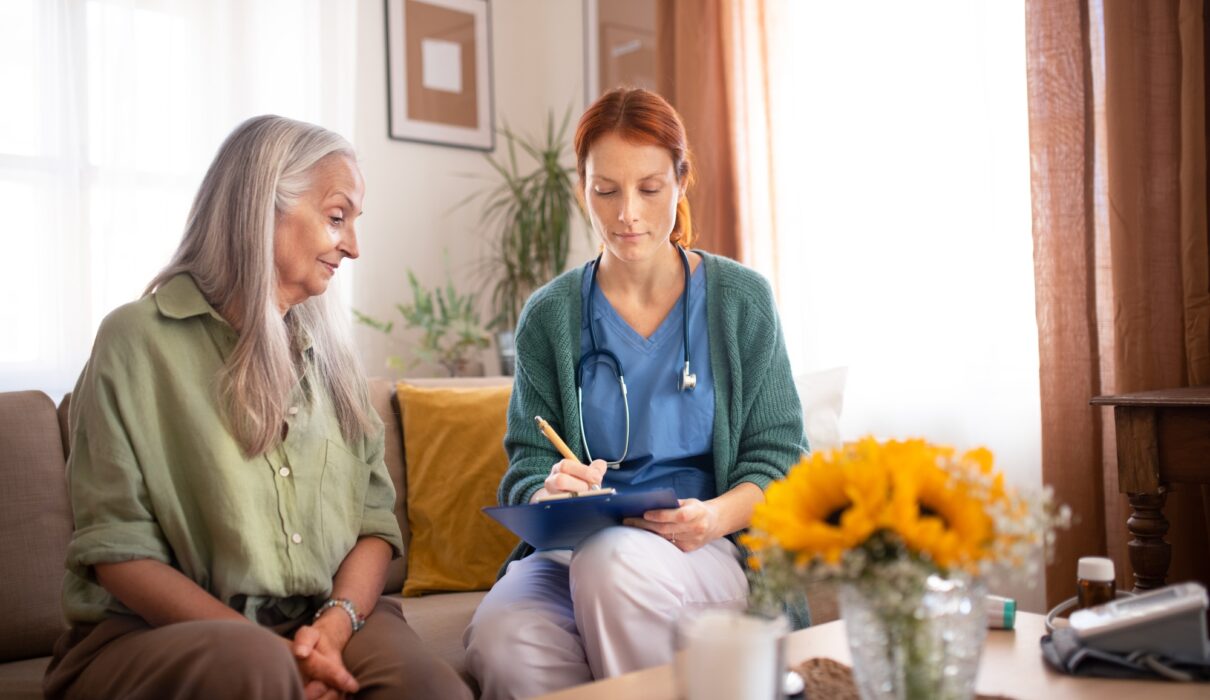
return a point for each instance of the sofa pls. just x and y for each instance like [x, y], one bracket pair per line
[36, 525]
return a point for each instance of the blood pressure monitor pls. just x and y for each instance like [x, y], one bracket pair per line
[1170, 621]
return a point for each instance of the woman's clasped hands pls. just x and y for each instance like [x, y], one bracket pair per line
[317, 648]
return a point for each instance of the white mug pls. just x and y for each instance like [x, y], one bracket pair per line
[729, 655]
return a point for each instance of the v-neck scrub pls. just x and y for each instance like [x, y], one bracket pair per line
[670, 430]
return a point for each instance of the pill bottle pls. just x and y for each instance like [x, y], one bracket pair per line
[1094, 582]
[1001, 612]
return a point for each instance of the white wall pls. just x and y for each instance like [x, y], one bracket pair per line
[412, 188]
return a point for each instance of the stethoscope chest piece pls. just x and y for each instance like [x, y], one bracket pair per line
[688, 380]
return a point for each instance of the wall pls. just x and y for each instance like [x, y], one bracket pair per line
[411, 219]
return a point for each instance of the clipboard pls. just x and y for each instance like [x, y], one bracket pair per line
[564, 523]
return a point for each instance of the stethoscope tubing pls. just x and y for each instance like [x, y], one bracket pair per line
[687, 380]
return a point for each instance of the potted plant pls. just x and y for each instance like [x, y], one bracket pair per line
[451, 330]
[529, 214]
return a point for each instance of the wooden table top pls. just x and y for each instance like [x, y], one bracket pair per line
[1011, 666]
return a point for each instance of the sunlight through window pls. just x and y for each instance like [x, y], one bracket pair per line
[904, 230]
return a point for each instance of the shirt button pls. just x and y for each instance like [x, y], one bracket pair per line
[293, 410]
[296, 538]
[284, 471]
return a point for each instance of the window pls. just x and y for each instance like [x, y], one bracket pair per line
[904, 230]
[113, 111]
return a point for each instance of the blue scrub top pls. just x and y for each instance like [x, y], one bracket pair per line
[671, 431]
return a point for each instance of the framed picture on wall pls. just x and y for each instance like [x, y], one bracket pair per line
[620, 46]
[439, 80]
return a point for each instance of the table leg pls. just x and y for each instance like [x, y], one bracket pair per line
[1150, 555]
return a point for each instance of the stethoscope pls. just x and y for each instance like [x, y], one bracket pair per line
[687, 381]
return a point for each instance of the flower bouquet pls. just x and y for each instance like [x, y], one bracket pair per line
[908, 529]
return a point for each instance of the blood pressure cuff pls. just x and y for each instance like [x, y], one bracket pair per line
[1064, 653]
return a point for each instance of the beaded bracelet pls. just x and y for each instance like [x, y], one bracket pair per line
[345, 604]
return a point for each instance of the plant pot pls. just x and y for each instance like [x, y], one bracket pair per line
[507, 352]
[915, 645]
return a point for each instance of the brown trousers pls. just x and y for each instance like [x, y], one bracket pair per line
[123, 657]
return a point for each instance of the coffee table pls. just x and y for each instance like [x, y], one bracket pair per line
[1011, 666]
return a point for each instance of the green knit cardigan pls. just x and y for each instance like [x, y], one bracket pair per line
[758, 423]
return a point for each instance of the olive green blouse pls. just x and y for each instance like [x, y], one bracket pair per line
[154, 473]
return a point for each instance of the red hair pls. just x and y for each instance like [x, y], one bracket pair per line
[641, 116]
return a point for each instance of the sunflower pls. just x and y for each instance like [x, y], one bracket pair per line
[829, 503]
[938, 505]
[890, 513]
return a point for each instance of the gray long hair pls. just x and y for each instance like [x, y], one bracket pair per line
[260, 171]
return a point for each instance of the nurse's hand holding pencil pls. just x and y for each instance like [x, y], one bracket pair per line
[568, 475]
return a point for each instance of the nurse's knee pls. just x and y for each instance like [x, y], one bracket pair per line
[496, 643]
[495, 632]
[615, 563]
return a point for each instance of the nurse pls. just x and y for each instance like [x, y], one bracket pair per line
[662, 366]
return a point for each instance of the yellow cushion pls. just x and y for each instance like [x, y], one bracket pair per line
[453, 442]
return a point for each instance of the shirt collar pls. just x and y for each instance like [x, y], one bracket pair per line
[180, 298]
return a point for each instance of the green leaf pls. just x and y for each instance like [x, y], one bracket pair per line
[451, 330]
[382, 326]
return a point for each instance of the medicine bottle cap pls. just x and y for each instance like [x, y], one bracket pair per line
[1095, 569]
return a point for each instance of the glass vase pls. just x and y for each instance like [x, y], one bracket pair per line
[915, 642]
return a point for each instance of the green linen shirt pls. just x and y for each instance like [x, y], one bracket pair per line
[154, 472]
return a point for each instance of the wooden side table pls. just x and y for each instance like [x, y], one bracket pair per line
[1163, 437]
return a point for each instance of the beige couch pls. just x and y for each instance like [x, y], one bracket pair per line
[35, 522]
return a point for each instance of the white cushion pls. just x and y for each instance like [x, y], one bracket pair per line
[822, 396]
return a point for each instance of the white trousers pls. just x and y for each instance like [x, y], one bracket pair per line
[558, 619]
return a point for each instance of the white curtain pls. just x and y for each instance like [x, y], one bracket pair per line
[112, 109]
[904, 247]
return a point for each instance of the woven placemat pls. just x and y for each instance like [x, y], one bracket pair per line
[827, 678]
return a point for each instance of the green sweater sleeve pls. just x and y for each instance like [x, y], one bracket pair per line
[530, 456]
[772, 439]
[758, 433]
[547, 343]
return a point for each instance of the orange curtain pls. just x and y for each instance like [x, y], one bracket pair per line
[710, 66]
[1156, 147]
[1122, 274]
[1062, 151]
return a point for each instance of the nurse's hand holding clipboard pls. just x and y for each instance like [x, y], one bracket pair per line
[692, 526]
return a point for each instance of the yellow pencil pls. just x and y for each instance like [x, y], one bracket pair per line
[554, 438]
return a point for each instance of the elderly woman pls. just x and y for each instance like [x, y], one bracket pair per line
[233, 512]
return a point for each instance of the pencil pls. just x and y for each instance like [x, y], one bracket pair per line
[554, 438]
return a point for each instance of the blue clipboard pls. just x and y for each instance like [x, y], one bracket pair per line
[564, 523]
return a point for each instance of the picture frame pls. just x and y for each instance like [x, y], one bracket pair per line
[620, 46]
[592, 62]
[439, 73]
